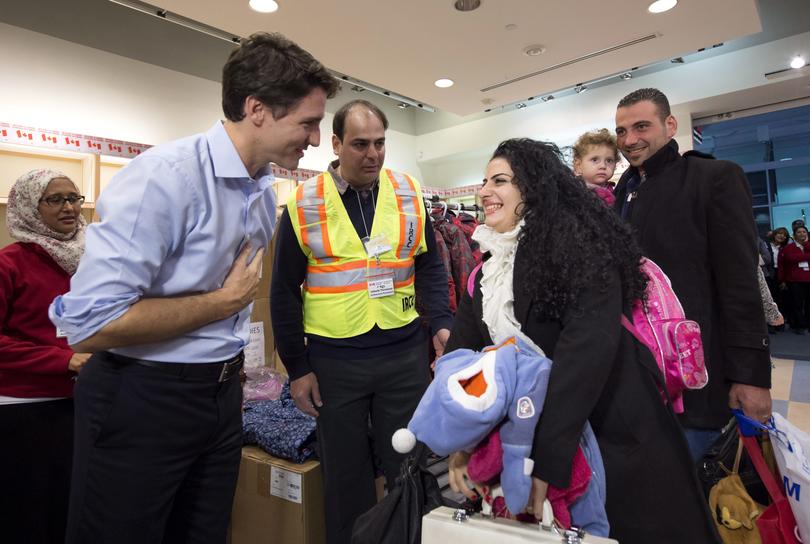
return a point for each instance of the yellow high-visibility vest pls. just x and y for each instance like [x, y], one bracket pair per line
[336, 297]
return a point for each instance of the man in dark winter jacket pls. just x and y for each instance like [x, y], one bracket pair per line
[692, 216]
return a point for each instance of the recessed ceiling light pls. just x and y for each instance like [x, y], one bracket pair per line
[660, 6]
[263, 6]
[402, 105]
[467, 5]
[797, 62]
[444, 83]
[534, 50]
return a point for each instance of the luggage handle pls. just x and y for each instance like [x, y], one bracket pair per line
[752, 427]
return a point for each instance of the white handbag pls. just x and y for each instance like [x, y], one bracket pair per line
[445, 525]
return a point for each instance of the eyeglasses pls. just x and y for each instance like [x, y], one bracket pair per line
[57, 201]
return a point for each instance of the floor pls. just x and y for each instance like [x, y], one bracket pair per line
[791, 390]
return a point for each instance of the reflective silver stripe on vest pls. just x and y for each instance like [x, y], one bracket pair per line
[347, 278]
[403, 189]
[310, 205]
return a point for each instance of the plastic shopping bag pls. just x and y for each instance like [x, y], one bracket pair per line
[791, 447]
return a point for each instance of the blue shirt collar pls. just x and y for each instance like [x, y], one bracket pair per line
[225, 158]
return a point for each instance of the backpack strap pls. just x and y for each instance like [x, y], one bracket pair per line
[471, 279]
[631, 328]
[657, 376]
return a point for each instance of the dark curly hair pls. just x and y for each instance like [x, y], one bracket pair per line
[575, 238]
[275, 70]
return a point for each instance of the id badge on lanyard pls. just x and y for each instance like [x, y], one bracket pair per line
[379, 284]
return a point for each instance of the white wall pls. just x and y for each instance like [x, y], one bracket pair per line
[50, 83]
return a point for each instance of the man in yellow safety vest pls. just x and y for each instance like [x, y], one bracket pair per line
[353, 249]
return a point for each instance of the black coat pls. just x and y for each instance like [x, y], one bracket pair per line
[692, 216]
[601, 374]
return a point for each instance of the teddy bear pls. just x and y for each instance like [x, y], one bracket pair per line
[734, 511]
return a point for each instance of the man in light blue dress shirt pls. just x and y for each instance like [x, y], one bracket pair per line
[163, 297]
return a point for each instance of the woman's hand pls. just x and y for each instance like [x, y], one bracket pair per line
[77, 361]
[538, 497]
[457, 472]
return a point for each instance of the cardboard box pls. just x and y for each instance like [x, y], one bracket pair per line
[277, 502]
[267, 269]
[278, 365]
[261, 313]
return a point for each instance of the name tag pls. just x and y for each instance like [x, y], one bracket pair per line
[60, 333]
[380, 286]
[377, 245]
[804, 266]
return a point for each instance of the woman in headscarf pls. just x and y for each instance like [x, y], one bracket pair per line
[36, 364]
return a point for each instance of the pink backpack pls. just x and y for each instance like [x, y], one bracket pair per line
[662, 326]
[674, 341]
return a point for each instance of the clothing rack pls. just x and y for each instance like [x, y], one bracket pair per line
[453, 206]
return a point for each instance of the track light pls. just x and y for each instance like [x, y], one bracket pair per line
[520, 105]
[625, 76]
[547, 98]
[580, 88]
[797, 62]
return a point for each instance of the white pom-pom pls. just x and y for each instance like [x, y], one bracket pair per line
[403, 441]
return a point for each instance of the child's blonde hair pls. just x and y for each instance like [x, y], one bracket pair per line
[595, 139]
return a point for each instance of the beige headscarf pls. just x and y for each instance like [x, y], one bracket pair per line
[26, 225]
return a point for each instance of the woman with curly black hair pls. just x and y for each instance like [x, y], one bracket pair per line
[561, 268]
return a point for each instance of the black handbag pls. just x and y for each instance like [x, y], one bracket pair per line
[718, 462]
[397, 519]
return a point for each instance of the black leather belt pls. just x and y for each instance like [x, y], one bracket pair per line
[219, 372]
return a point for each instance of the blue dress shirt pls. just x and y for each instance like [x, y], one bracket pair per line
[172, 223]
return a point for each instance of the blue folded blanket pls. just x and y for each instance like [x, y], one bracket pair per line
[279, 427]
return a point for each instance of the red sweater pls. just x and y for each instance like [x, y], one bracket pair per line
[789, 258]
[33, 361]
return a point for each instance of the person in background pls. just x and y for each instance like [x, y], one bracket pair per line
[691, 214]
[794, 276]
[595, 158]
[773, 316]
[777, 240]
[36, 363]
[357, 238]
[561, 268]
[163, 299]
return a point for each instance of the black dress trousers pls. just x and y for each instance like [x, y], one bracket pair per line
[383, 390]
[35, 462]
[156, 454]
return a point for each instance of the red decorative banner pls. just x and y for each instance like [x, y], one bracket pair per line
[55, 139]
[301, 174]
[451, 192]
